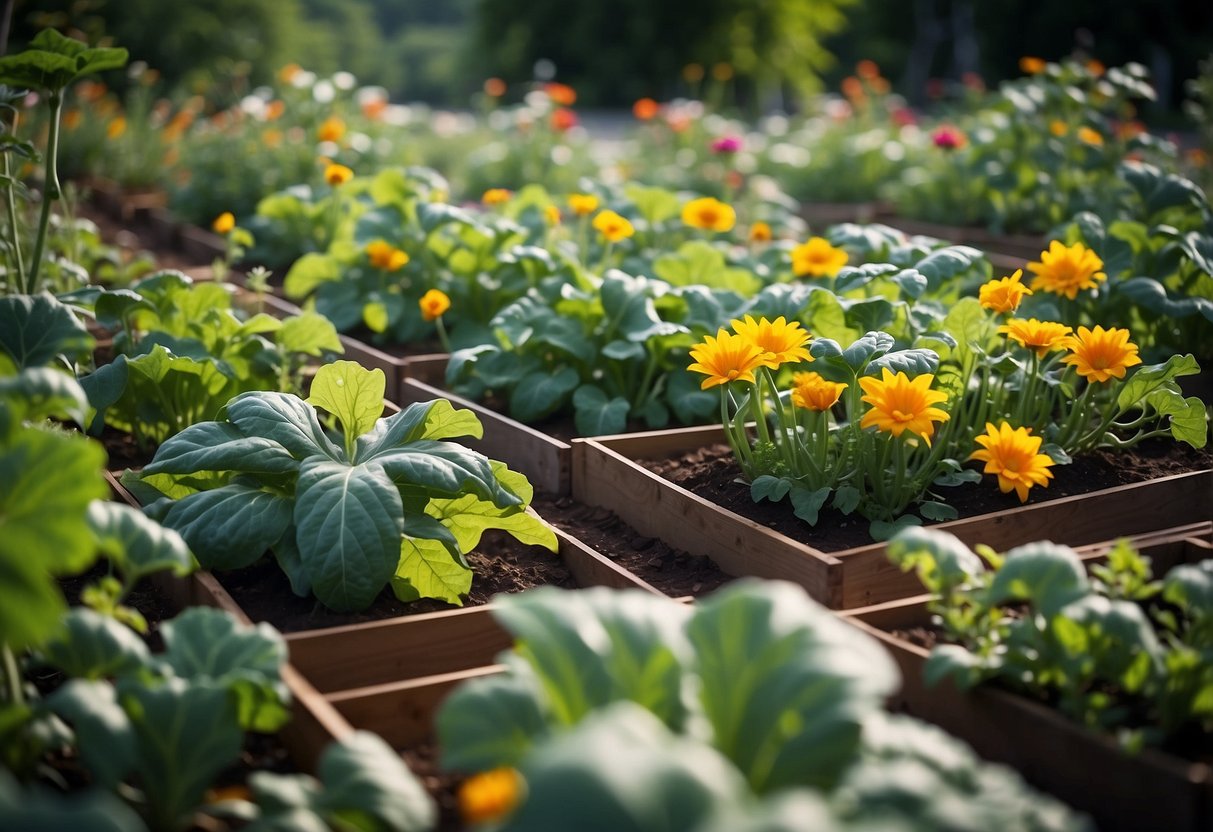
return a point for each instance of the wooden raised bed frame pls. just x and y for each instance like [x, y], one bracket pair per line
[1150, 790]
[605, 474]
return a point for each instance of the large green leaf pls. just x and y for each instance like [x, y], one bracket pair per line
[352, 393]
[43, 393]
[285, 419]
[542, 393]
[1155, 377]
[1044, 574]
[185, 735]
[137, 545]
[941, 560]
[204, 644]
[34, 329]
[1187, 418]
[597, 415]
[95, 646]
[92, 810]
[349, 521]
[308, 272]
[308, 334]
[444, 468]
[229, 527]
[220, 446]
[427, 570]
[492, 722]
[363, 776]
[785, 685]
[104, 737]
[468, 517]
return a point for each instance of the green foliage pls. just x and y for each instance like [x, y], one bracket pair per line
[342, 517]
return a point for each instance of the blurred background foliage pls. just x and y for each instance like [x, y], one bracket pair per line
[771, 51]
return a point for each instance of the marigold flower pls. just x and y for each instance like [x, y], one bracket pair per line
[224, 223]
[494, 87]
[948, 138]
[71, 119]
[1091, 136]
[760, 232]
[852, 88]
[900, 404]
[583, 204]
[271, 138]
[561, 94]
[434, 304]
[1031, 65]
[1100, 354]
[331, 130]
[490, 796]
[817, 258]
[645, 109]
[867, 69]
[383, 255]
[613, 226]
[1004, 294]
[1095, 67]
[725, 358]
[551, 215]
[781, 341]
[1041, 336]
[288, 72]
[1014, 455]
[563, 119]
[1058, 127]
[275, 109]
[496, 196]
[116, 127]
[812, 392]
[335, 174]
[709, 213]
[1067, 270]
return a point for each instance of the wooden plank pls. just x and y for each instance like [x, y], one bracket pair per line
[545, 461]
[429, 368]
[657, 508]
[403, 712]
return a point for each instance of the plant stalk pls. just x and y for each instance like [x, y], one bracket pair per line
[50, 189]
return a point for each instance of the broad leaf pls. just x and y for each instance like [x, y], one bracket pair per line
[34, 329]
[1046, 575]
[596, 415]
[351, 393]
[363, 776]
[492, 722]
[229, 527]
[104, 736]
[540, 394]
[95, 646]
[220, 446]
[285, 419]
[427, 570]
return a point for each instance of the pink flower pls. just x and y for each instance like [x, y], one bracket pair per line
[948, 138]
[726, 144]
[903, 117]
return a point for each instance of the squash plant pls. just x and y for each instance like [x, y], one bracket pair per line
[1116, 650]
[385, 501]
[754, 709]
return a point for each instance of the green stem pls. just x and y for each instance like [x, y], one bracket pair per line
[12, 676]
[10, 206]
[50, 190]
[442, 336]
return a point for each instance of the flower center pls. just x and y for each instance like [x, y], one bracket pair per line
[902, 416]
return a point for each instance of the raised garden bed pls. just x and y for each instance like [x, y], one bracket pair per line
[606, 473]
[1152, 789]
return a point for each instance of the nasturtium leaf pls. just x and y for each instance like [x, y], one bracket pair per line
[767, 487]
[94, 646]
[349, 521]
[375, 316]
[285, 419]
[350, 392]
[654, 204]
[104, 737]
[846, 498]
[220, 446]
[807, 503]
[229, 527]
[427, 570]
[136, 545]
[1154, 377]
[933, 510]
[34, 329]
[541, 393]
[308, 334]
[597, 415]
[208, 645]
[443, 421]
[308, 272]
[1187, 418]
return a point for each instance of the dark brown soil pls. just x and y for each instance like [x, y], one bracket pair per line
[712, 473]
[669, 570]
[123, 451]
[500, 564]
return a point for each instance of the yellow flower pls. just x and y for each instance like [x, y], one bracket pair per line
[551, 214]
[331, 130]
[288, 72]
[1066, 270]
[496, 196]
[1058, 127]
[812, 392]
[490, 796]
[1100, 354]
[1013, 454]
[1004, 294]
[780, 341]
[583, 204]
[710, 214]
[224, 223]
[1090, 135]
[116, 127]
[760, 232]
[900, 403]
[1041, 336]
[1031, 65]
[434, 304]
[384, 255]
[817, 258]
[725, 358]
[336, 174]
[612, 226]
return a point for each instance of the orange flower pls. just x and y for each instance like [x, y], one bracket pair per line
[1013, 454]
[383, 255]
[812, 392]
[867, 70]
[335, 174]
[1095, 67]
[494, 87]
[288, 72]
[374, 108]
[852, 88]
[583, 204]
[1091, 136]
[1066, 270]
[71, 119]
[1100, 354]
[901, 404]
[1058, 127]
[271, 138]
[1004, 294]
[817, 258]
[434, 304]
[563, 119]
[224, 223]
[709, 214]
[561, 94]
[490, 796]
[331, 130]
[1041, 336]
[1032, 65]
[116, 127]
[613, 226]
[725, 358]
[781, 341]
[275, 109]
[645, 109]
[496, 196]
[760, 232]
